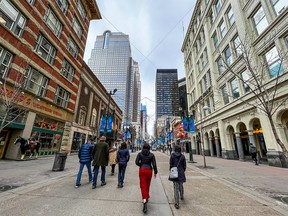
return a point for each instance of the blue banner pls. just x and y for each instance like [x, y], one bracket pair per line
[102, 124]
[191, 125]
[185, 124]
[109, 124]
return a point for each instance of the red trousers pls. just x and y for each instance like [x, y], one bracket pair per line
[145, 176]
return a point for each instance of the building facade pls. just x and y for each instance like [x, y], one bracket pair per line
[41, 54]
[166, 91]
[220, 84]
[112, 63]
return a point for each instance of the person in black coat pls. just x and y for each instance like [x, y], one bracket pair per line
[178, 160]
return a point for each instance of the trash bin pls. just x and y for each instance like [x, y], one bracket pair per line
[59, 161]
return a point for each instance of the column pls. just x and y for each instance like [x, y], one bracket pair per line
[211, 146]
[218, 150]
[239, 146]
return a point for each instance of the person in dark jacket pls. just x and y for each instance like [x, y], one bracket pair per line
[146, 162]
[178, 160]
[100, 159]
[123, 157]
[253, 152]
[85, 158]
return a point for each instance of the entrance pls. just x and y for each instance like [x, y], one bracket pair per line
[4, 135]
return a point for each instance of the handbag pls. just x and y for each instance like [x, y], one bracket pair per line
[174, 171]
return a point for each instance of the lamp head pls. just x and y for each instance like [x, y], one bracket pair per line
[115, 90]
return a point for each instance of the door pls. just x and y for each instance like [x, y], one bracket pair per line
[3, 142]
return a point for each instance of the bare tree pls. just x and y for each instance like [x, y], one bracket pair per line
[262, 85]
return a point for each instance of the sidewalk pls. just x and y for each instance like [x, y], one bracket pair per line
[205, 193]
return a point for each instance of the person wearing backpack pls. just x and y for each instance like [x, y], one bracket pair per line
[253, 152]
[123, 157]
[177, 159]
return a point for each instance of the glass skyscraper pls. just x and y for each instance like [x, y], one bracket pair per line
[167, 94]
[113, 65]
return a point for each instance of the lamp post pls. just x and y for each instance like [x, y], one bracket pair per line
[201, 131]
[107, 110]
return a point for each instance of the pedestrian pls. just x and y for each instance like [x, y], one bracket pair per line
[177, 159]
[85, 158]
[253, 152]
[100, 159]
[123, 157]
[146, 162]
[112, 158]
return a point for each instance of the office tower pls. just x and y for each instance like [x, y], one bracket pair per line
[183, 95]
[167, 94]
[227, 43]
[112, 63]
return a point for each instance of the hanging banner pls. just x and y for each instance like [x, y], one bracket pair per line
[185, 124]
[102, 124]
[109, 124]
[191, 125]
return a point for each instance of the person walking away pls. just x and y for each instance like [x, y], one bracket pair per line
[253, 152]
[146, 162]
[178, 160]
[100, 159]
[123, 157]
[85, 158]
[113, 159]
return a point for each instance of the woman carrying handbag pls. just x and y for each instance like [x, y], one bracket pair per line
[178, 160]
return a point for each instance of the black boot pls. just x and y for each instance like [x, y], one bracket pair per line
[145, 207]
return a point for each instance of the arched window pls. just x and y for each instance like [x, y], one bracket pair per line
[93, 118]
[82, 115]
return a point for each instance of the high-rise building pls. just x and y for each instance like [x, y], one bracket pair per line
[183, 95]
[167, 94]
[234, 50]
[112, 63]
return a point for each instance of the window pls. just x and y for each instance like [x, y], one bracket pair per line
[215, 39]
[205, 82]
[220, 66]
[81, 9]
[228, 56]
[218, 6]
[77, 27]
[45, 49]
[222, 28]
[72, 47]
[225, 94]
[206, 2]
[274, 62]
[279, 5]
[230, 16]
[62, 97]
[235, 88]
[237, 46]
[93, 118]
[63, 4]
[14, 20]
[31, 2]
[260, 20]
[245, 81]
[82, 115]
[53, 22]
[286, 40]
[5, 61]
[35, 82]
[67, 70]
[212, 17]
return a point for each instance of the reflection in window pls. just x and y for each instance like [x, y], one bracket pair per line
[228, 56]
[35, 82]
[274, 63]
[260, 20]
[220, 66]
[5, 61]
[81, 9]
[237, 46]
[235, 88]
[53, 22]
[215, 40]
[62, 97]
[63, 4]
[45, 49]
[67, 70]
[279, 5]
[245, 81]
[77, 27]
[230, 16]
[225, 94]
[218, 6]
[222, 28]
[72, 47]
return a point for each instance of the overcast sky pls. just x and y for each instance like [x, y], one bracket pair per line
[156, 29]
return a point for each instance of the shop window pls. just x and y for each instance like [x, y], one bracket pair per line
[62, 97]
[274, 63]
[12, 17]
[67, 70]
[72, 47]
[5, 61]
[53, 22]
[81, 9]
[279, 5]
[235, 88]
[63, 4]
[225, 94]
[35, 82]
[260, 21]
[77, 27]
[45, 49]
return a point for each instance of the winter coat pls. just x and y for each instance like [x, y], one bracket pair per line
[85, 153]
[100, 154]
[174, 159]
[123, 156]
[113, 156]
[252, 149]
[145, 159]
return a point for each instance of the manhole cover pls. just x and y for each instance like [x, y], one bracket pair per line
[283, 199]
[6, 187]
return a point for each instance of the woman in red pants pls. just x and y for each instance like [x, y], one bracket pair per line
[146, 162]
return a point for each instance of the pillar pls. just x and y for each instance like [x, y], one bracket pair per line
[239, 146]
[218, 150]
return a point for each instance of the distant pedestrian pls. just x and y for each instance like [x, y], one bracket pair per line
[100, 159]
[123, 157]
[253, 152]
[178, 160]
[112, 158]
[146, 162]
[85, 158]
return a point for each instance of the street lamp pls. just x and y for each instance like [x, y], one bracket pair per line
[107, 110]
[201, 128]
